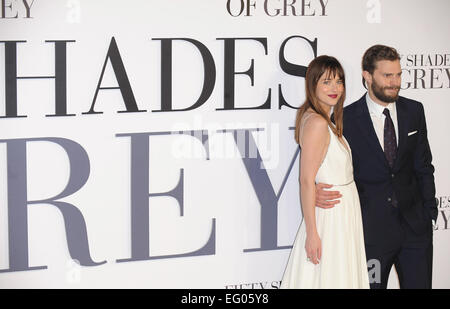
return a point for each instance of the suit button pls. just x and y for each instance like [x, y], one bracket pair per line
[389, 199]
[392, 175]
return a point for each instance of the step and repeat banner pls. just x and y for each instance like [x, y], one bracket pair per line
[150, 144]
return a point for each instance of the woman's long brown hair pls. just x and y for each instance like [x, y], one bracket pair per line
[319, 66]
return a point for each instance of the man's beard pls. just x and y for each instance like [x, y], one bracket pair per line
[378, 91]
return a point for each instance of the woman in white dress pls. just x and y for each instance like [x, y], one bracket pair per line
[328, 251]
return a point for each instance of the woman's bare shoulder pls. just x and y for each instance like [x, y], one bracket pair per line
[314, 121]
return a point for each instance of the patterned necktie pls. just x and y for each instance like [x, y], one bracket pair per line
[390, 141]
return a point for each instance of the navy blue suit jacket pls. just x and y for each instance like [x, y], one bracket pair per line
[410, 180]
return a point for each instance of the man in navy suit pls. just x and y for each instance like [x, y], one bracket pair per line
[392, 169]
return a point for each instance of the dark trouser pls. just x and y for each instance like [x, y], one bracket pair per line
[412, 257]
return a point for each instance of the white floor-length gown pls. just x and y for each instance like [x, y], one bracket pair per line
[343, 263]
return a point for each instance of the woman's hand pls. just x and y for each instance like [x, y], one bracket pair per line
[313, 247]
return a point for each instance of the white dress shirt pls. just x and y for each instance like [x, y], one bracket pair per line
[377, 116]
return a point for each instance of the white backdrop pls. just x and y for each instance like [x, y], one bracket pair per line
[224, 193]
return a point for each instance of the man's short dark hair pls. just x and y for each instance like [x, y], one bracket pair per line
[377, 53]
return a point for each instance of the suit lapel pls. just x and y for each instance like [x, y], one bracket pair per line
[402, 121]
[366, 125]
